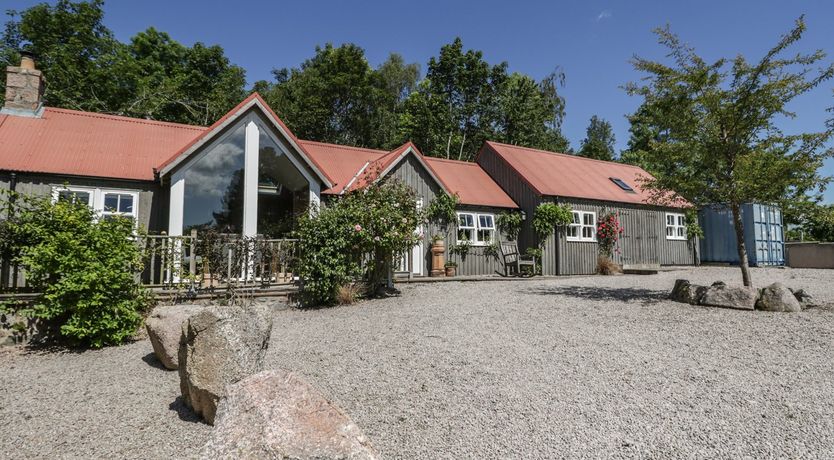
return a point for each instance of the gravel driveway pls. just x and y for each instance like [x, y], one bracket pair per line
[570, 367]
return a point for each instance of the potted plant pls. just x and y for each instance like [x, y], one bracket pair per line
[438, 250]
[451, 268]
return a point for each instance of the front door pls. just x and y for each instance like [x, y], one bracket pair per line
[412, 261]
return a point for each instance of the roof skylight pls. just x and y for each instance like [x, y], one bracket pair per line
[621, 183]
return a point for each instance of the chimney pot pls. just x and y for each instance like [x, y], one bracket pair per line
[24, 88]
[27, 60]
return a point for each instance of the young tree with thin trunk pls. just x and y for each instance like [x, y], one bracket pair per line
[718, 123]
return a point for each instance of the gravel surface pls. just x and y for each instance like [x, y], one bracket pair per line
[570, 367]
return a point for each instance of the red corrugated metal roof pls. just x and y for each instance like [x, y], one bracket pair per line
[559, 174]
[70, 142]
[472, 184]
[340, 162]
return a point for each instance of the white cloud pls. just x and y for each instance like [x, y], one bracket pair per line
[604, 14]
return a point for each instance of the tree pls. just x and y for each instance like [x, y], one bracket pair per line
[718, 120]
[599, 140]
[465, 100]
[641, 136]
[153, 76]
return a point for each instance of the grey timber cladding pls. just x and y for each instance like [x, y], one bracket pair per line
[643, 241]
[477, 261]
[151, 208]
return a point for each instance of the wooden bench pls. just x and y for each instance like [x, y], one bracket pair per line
[514, 261]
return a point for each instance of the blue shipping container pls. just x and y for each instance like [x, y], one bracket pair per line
[763, 235]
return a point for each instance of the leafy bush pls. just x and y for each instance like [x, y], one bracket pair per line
[84, 266]
[548, 217]
[355, 236]
[442, 211]
[509, 223]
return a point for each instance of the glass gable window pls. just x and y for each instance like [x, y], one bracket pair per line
[214, 186]
[279, 184]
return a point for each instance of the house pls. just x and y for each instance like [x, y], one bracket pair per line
[248, 174]
[175, 178]
[654, 235]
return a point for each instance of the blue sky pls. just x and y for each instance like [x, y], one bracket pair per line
[591, 41]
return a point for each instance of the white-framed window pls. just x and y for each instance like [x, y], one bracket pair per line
[583, 226]
[478, 229]
[675, 226]
[105, 202]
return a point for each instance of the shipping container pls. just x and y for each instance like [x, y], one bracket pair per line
[763, 235]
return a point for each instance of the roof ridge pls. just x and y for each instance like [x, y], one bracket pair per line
[449, 160]
[569, 155]
[126, 119]
[351, 147]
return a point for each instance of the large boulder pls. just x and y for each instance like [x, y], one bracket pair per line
[686, 292]
[805, 299]
[220, 346]
[276, 414]
[777, 297]
[721, 295]
[164, 327]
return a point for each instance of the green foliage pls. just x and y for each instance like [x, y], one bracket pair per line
[719, 142]
[367, 226]
[461, 249]
[465, 100]
[336, 96]
[492, 250]
[817, 225]
[537, 253]
[442, 211]
[599, 140]
[693, 228]
[509, 223]
[152, 76]
[548, 217]
[83, 265]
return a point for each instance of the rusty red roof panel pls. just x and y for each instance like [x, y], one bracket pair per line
[559, 174]
[341, 163]
[70, 142]
[472, 184]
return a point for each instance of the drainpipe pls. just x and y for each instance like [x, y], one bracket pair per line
[4, 264]
[12, 188]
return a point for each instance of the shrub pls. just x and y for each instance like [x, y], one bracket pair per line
[356, 235]
[548, 217]
[509, 223]
[347, 294]
[84, 266]
[443, 211]
[606, 266]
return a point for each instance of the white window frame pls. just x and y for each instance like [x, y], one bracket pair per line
[578, 225]
[678, 226]
[476, 227]
[97, 197]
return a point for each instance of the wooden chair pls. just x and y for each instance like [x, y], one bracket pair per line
[513, 259]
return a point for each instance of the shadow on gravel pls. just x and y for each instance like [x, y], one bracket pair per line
[153, 361]
[644, 296]
[184, 412]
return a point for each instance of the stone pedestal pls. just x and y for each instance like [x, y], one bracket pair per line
[438, 252]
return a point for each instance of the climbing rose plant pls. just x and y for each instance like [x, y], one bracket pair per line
[355, 237]
[609, 230]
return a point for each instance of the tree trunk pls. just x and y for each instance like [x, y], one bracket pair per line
[742, 248]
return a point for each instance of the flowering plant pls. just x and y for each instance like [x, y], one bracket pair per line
[609, 230]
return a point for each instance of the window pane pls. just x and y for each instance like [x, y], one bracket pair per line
[670, 219]
[670, 231]
[588, 218]
[681, 231]
[282, 190]
[681, 220]
[485, 236]
[74, 196]
[214, 187]
[466, 220]
[485, 221]
[111, 202]
[587, 232]
[465, 234]
[576, 219]
[126, 203]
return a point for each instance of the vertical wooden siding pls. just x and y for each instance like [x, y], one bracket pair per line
[643, 241]
[477, 262]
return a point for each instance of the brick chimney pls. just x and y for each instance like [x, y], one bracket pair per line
[24, 89]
